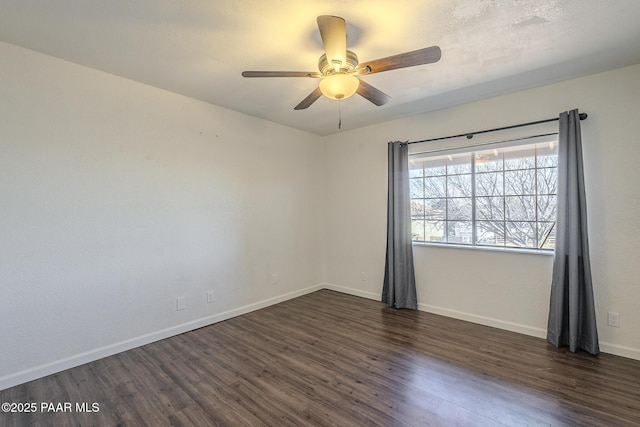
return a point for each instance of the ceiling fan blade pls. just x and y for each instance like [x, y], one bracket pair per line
[372, 94]
[313, 74]
[402, 60]
[310, 99]
[333, 31]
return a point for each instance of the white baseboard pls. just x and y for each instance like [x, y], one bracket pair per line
[89, 356]
[619, 350]
[605, 347]
[351, 291]
[486, 321]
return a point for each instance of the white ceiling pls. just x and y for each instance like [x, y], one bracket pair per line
[198, 48]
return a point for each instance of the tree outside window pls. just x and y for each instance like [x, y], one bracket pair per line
[493, 197]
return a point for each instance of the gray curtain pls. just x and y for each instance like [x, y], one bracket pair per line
[572, 317]
[399, 289]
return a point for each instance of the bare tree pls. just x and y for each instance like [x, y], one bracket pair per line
[515, 207]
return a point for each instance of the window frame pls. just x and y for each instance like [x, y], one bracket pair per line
[538, 222]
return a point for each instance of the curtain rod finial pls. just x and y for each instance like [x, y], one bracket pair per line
[583, 116]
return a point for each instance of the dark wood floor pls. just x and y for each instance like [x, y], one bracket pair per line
[334, 359]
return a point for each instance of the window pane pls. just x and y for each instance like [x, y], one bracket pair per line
[459, 163]
[547, 181]
[459, 232]
[520, 234]
[548, 154]
[523, 157]
[435, 166]
[489, 184]
[459, 209]
[490, 233]
[520, 182]
[490, 208]
[435, 186]
[416, 167]
[417, 230]
[488, 161]
[546, 235]
[417, 208]
[459, 186]
[434, 231]
[511, 191]
[520, 208]
[416, 188]
[547, 208]
[435, 208]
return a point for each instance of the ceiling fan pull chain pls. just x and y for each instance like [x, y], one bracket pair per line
[339, 116]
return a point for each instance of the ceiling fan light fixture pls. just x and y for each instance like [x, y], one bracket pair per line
[339, 68]
[339, 86]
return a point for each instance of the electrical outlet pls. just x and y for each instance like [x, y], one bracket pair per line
[363, 276]
[275, 277]
[613, 319]
[209, 296]
[181, 303]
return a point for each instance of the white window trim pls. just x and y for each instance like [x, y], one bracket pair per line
[472, 148]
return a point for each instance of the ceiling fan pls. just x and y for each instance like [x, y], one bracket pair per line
[339, 67]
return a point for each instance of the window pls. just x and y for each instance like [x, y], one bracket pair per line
[504, 196]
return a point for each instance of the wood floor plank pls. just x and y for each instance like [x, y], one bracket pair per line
[330, 359]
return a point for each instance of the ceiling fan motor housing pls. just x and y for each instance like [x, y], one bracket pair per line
[328, 69]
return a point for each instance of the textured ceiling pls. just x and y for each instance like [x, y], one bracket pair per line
[198, 48]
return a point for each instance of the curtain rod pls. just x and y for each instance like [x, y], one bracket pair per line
[482, 144]
[470, 135]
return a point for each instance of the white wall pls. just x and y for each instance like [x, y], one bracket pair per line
[116, 198]
[508, 290]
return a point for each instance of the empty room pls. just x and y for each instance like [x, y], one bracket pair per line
[252, 213]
